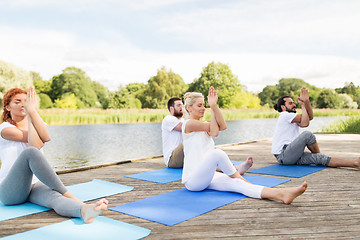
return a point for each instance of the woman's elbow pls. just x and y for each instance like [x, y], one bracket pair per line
[38, 146]
[222, 128]
[47, 139]
[214, 134]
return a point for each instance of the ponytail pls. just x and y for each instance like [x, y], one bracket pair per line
[279, 103]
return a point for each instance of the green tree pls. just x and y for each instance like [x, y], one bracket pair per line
[244, 99]
[347, 101]
[135, 88]
[221, 78]
[11, 77]
[45, 101]
[102, 93]
[73, 80]
[160, 88]
[328, 98]
[357, 97]
[351, 90]
[287, 87]
[40, 85]
[269, 95]
[68, 101]
[120, 98]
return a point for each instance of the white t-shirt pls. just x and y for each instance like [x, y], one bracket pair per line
[9, 152]
[170, 137]
[196, 146]
[285, 131]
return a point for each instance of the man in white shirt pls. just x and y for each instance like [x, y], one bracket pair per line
[288, 144]
[171, 134]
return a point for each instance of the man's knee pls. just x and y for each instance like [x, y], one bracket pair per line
[309, 137]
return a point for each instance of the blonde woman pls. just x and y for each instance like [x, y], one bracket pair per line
[22, 134]
[201, 159]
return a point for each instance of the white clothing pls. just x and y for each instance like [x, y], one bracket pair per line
[201, 161]
[9, 152]
[170, 137]
[196, 146]
[285, 131]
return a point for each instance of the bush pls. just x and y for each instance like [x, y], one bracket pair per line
[328, 98]
[45, 101]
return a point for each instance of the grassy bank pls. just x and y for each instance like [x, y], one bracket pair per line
[348, 125]
[99, 116]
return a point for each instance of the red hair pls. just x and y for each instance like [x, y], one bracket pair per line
[6, 116]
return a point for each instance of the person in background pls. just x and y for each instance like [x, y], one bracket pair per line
[288, 144]
[25, 174]
[172, 138]
[171, 134]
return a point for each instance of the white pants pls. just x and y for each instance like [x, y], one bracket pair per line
[206, 177]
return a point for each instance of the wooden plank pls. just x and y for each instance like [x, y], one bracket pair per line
[330, 209]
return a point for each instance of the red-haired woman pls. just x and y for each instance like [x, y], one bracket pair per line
[22, 135]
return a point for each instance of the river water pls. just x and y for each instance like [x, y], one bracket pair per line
[86, 145]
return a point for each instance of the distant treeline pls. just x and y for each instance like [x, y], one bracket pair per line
[74, 89]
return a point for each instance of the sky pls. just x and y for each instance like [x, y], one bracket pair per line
[117, 42]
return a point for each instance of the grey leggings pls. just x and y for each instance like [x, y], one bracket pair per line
[294, 152]
[16, 188]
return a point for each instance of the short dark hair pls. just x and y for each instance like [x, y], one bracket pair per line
[172, 101]
[279, 103]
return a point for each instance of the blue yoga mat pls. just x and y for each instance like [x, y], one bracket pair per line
[180, 205]
[164, 175]
[84, 191]
[295, 171]
[101, 228]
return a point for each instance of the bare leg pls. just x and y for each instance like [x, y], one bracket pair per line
[314, 148]
[90, 211]
[237, 175]
[286, 195]
[339, 162]
[70, 195]
[243, 167]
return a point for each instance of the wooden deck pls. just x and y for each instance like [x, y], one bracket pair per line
[330, 209]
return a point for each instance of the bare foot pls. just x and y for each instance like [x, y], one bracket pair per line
[291, 193]
[90, 211]
[357, 163]
[243, 167]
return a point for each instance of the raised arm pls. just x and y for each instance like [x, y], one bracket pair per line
[215, 110]
[38, 132]
[303, 120]
[304, 98]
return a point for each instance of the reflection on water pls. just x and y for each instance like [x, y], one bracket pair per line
[85, 145]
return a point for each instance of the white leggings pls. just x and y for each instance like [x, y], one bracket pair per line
[206, 177]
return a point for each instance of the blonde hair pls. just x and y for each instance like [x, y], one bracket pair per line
[189, 100]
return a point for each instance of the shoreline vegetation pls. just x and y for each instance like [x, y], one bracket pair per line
[121, 116]
[351, 124]
[347, 125]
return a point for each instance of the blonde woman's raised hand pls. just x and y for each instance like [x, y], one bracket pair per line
[212, 97]
[31, 102]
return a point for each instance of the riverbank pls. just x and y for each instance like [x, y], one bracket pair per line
[348, 125]
[329, 209]
[116, 116]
